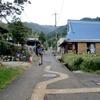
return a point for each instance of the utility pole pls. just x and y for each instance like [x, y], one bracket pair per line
[55, 14]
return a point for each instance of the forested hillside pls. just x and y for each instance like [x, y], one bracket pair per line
[40, 28]
[54, 36]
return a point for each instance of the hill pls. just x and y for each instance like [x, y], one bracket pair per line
[61, 31]
[40, 28]
[54, 36]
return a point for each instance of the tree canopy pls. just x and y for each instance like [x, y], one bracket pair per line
[42, 37]
[19, 32]
[8, 8]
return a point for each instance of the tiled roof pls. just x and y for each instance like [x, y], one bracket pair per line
[83, 30]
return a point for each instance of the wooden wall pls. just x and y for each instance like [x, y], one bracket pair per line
[82, 47]
[97, 47]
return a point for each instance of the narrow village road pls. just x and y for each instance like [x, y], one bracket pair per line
[50, 81]
[60, 84]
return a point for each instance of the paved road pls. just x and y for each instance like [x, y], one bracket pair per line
[52, 81]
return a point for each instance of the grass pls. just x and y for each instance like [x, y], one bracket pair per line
[86, 62]
[7, 75]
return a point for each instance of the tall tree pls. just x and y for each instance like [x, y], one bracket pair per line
[42, 37]
[19, 32]
[11, 8]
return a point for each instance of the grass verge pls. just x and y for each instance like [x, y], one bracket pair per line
[7, 75]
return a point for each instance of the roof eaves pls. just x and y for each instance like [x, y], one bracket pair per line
[83, 40]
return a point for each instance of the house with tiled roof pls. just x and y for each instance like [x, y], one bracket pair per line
[82, 37]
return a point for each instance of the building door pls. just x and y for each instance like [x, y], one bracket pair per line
[91, 48]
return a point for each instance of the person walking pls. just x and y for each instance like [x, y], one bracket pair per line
[39, 52]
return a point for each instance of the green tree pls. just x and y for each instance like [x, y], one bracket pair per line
[42, 37]
[12, 9]
[19, 32]
[54, 36]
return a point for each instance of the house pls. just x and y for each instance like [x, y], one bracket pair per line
[60, 49]
[82, 37]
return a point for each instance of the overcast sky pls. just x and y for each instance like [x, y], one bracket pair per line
[42, 11]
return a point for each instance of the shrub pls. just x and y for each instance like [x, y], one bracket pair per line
[72, 61]
[86, 65]
[96, 64]
[86, 62]
[77, 62]
[91, 64]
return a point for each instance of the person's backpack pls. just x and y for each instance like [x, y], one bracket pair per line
[40, 51]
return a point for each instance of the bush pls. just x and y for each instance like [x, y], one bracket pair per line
[86, 62]
[72, 61]
[91, 64]
[96, 62]
[77, 62]
[86, 65]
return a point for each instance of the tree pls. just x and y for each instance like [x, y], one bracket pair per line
[90, 19]
[11, 8]
[42, 37]
[19, 32]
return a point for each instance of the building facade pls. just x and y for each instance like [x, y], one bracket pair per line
[82, 37]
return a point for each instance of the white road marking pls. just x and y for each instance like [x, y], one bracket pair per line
[41, 88]
[39, 91]
[70, 91]
[49, 75]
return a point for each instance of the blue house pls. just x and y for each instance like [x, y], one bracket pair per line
[82, 36]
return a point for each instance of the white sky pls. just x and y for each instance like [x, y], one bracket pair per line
[41, 11]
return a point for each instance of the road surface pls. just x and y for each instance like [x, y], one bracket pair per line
[52, 81]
